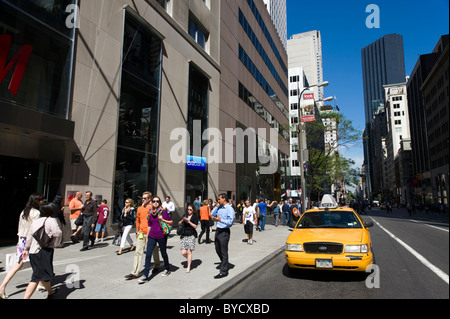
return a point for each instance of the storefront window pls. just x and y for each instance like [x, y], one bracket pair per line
[198, 110]
[137, 145]
[35, 58]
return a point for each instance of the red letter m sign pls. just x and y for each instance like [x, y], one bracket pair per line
[21, 58]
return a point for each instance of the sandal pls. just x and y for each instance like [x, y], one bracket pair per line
[3, 295]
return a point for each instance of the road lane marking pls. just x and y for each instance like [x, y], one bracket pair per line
[422, 259]
[419, 222]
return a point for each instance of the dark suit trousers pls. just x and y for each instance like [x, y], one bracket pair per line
[221, 241]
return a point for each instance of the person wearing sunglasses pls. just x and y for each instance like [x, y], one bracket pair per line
[141, 238]
[155, 235]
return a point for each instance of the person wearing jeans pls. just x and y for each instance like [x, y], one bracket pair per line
[155, 235]
[141, 238]
[262, 206]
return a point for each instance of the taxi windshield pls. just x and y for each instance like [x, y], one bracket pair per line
[329, 219]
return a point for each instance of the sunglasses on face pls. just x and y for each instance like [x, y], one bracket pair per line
[156, 201]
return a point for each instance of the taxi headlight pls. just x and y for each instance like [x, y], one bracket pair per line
[357, 248]
[294, 247]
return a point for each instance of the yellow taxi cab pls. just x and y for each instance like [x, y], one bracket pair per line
[330, 238]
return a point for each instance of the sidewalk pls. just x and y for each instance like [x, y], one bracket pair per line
[99, 272]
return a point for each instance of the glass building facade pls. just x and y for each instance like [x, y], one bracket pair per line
[139, 108]
[36, 60]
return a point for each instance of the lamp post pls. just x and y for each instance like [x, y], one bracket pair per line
[302, 153]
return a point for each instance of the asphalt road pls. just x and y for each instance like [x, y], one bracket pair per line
[411, 253]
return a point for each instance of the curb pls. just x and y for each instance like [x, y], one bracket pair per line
[233, 282]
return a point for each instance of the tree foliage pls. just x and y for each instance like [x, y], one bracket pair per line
[326, 165]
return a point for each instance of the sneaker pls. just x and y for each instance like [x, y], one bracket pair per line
[143, 279]
[166, 273]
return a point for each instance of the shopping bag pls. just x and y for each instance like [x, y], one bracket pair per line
[10, 261]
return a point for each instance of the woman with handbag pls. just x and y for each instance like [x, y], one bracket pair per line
[159, 223]
[41, 254]
[128, 218]
[28, 215]
[189, 222]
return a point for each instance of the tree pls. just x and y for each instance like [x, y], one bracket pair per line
[326, 166]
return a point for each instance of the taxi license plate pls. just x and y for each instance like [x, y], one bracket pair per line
[324, 263]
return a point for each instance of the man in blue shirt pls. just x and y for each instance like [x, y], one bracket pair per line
[262, 206]
[224, 216]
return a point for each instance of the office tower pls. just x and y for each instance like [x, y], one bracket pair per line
[96, 106]
[296, 85]
[382, 63]
[277, 10]
[397, 130]
[428, 111]
[119, 106]
[254, 94]
[305, 51]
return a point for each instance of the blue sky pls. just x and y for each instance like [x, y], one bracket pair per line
[344, 33]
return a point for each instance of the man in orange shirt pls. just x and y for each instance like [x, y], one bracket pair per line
[141, 234]
[75, 207]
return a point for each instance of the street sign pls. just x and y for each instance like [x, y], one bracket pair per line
[309, 118]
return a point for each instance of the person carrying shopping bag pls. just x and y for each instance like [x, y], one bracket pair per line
[41, 255]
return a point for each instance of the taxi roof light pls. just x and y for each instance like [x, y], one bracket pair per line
[328, 202]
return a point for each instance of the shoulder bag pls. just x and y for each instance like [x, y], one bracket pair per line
[166, 228]
[43, 239]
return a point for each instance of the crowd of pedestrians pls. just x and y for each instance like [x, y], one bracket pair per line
[152, 221]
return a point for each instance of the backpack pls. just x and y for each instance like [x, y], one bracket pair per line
[43, 239]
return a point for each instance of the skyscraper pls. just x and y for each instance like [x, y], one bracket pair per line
[277, 11]
[305, 51]
[383, 63]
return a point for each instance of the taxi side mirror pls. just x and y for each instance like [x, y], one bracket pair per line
[368, 224]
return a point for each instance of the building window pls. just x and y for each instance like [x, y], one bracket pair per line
[198, 33]
[43, 47]
[138, 130]
[163, 3]
[198, 110]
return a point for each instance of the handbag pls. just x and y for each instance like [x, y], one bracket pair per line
[166, 228]
[180, 230]
[43, 239]
[79, 221]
